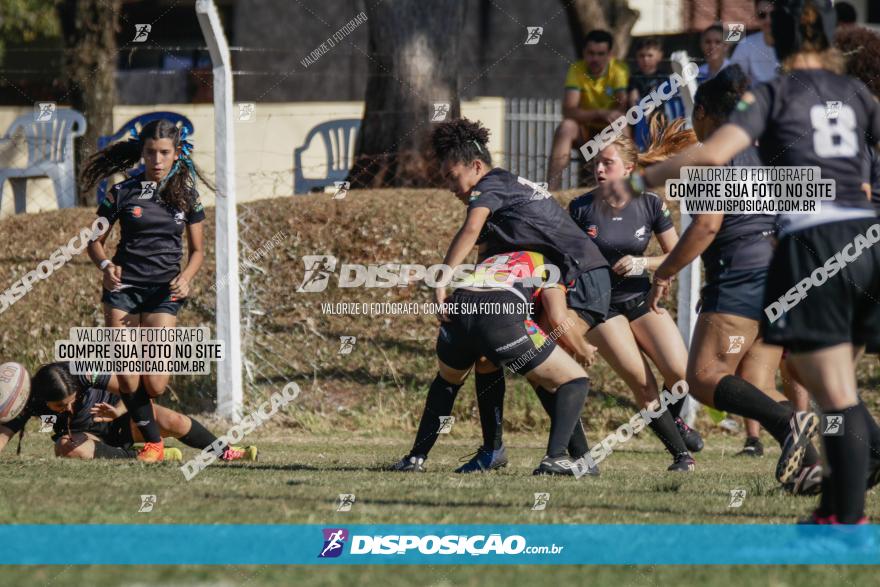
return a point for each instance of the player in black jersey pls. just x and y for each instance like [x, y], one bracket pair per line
[508, 213]
[862, 46]
[88, 422]
[481, 325]
[824, 282]
[622, 227]
[736, 250]
[566, 314]
[143, 286]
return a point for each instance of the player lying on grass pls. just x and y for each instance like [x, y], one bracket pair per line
[833, 251]
[736, 250]
[143, 285]
[91, 422]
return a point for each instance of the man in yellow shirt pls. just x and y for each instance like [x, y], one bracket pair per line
[595, 94]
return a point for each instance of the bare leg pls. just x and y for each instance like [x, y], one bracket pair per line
[567, 134]
[155, 383]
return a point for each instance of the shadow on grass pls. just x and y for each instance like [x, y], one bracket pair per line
[312, 468]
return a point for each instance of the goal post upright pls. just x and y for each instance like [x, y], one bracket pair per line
[230, 395]
[689, 278]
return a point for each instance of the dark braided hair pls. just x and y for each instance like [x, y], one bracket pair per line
[177, 190]
[461, 141]
[54, 383]
[720, 95]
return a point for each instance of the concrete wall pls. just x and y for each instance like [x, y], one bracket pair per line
[658, 17]
[264, 146]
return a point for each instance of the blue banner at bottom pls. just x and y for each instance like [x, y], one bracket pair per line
[148, 544]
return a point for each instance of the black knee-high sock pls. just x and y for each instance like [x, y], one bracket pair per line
[664, 428]
[873, 432]
[569, 402]
[826, 500]
[200, 437]
[577, 444]
[675, 407]
[140, 408]
[105, 451]
[737, 396]
[848, 461]
[490, 401]
[441, 398]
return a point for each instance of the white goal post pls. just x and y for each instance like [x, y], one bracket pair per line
[229, 371]
[689, 278]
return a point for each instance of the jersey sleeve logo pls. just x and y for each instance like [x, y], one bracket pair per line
[539, 190]
[592, 231]
[137, 211]
[745, 102]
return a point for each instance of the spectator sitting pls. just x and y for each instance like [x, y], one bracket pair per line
[595, 94]
[650, 73]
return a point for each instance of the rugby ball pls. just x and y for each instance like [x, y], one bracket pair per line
[15, 389]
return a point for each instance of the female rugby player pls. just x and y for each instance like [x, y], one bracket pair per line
[507, 213]
[621, 226]
[568, 320]
[143, 285]
[832, 251]
[736, 250]
[502, 274]
[91, 425]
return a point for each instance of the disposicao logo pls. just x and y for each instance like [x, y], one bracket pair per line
[334, 541]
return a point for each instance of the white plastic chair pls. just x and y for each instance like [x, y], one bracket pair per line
[50, 154]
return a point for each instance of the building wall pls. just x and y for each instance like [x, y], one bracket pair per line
[263, 147]
[702, 13]
[658, 17]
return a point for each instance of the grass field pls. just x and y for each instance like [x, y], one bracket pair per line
[357, 414]
[299, 477]
[437, 576]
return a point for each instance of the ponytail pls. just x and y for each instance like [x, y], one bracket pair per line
[666, 141]
[177, 189]
[117, 158]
